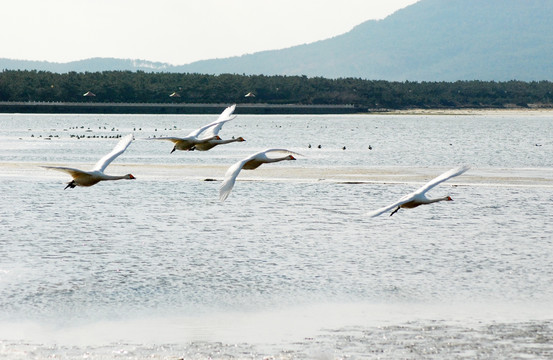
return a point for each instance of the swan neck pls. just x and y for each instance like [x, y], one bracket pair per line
[279, 159]
[114, 177]
[228, 141]
[445, 198]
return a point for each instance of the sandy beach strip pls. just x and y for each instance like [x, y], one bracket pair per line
[475, 112]
[343, 175]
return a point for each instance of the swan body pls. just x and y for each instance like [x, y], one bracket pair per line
[94, 176]
[205, 137]
[212, 143]
[252, 162]
[186, 143]
[418, 197]
[212, 129]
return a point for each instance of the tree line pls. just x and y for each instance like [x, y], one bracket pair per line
[145, 87]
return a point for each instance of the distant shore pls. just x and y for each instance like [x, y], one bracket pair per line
[474, 111]
[171, 108]
[243, 108]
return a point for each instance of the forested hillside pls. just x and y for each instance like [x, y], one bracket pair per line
[141, 87]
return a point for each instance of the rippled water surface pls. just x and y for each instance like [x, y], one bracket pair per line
[288, 266]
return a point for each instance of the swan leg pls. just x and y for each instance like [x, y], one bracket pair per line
[174, 148]
[395, 211]
[71, 184]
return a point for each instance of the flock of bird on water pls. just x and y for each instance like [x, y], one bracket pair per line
[206, 137]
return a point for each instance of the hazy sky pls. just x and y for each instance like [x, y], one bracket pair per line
[174, 31]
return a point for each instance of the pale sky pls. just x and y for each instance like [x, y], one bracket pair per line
[174, 31]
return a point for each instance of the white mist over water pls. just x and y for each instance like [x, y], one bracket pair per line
[288, 266]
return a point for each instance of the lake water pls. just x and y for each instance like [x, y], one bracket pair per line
[289, 266]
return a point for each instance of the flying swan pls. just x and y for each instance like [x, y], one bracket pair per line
[250, 163]
[418, 197]
[94, 176]
[209, 139]
[213, 131]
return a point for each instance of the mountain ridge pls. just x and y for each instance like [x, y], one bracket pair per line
[431, 40]
[86, 65]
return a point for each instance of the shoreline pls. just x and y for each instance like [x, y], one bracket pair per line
[172, 108]
[474, 111]
[246, 108]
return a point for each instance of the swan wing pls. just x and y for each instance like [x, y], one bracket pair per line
[214, 127]
[443, 177]
[394, 205]
[422, 190]
[230, 177]
[234, 170]
[269, 152]
[121, 146]
[227, 113]
[172, 139]
[71, 171]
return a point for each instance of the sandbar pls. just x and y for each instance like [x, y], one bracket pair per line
[343, 175]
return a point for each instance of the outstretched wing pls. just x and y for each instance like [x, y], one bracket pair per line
[423, 189]
[71, 171]
[169, 138]
[440, 179]
[269, 152]
[394, 205]
[117, 150]
[227, 113]
[234, 170]
[230, 177]
[213, 128]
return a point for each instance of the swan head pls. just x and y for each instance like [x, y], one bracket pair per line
[240, 139]
[130, 177]
[448, 198]
[290, 157]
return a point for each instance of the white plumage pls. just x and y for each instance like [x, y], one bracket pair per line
[418, 197]
[92, 177]
[250, 163]
[205, 137]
